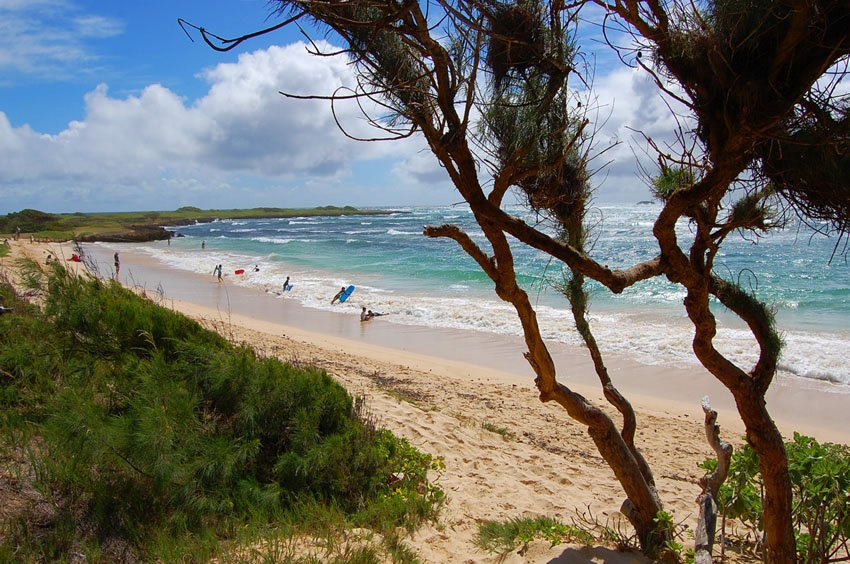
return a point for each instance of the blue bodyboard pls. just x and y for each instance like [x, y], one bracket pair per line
[346, 294]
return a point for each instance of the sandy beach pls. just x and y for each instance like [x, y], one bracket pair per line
[438, 388]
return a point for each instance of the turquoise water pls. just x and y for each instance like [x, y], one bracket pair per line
[431, 282]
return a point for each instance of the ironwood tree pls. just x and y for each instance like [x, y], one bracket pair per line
[485, 83]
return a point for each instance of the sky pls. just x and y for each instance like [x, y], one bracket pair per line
[109, 106]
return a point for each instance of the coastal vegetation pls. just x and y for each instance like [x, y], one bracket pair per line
[143, 225]
[505, 537]
[820, 483]
[129, 432]
[763, 133]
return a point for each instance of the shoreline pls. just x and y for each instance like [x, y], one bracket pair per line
[506, 454]
[810, 407]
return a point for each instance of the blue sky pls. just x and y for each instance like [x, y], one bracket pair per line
[107, 105]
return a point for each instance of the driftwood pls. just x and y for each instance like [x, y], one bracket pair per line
[710, 483]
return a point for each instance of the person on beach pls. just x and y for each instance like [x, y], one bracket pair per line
[256, 268]
[366, 315]
[338, 295]
[203, 244]
[117, 263]
[286, 285]
[217, 272]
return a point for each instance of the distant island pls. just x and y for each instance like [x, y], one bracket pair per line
[129, 227]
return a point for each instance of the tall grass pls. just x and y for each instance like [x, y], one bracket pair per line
[151, 427]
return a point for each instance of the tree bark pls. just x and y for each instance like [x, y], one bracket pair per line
[764, 437]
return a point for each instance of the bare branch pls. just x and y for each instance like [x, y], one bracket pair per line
[456, 234]
[229, 44]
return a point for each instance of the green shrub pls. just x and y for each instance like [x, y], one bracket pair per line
[820, 481]
[28, 220]
[106, 320]
[29, 358]
[154, 428]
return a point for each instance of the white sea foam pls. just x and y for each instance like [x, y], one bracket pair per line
[273, 240]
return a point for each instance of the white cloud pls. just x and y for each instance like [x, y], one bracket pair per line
[46, 38]
[241, 133]
[630, 106]
[256, 128]
[97, 26]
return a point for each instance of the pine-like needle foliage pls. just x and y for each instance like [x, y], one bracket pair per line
[153, 425]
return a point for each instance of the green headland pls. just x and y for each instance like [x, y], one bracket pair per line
[143, 225]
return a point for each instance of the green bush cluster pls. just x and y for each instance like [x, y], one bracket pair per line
[152, 425]
[820, 481]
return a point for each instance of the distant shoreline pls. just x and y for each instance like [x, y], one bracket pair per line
[144, 226]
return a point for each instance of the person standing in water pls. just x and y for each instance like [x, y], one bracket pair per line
[117, 264]
[338, 295]
[286, 285]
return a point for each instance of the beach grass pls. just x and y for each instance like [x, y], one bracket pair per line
[130, 428]
[504, 432]
[502, 537]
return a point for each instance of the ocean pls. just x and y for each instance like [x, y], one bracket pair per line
[432, 283]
